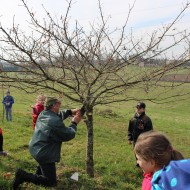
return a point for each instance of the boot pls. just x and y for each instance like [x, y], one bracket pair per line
[22, 176]
[19, 178]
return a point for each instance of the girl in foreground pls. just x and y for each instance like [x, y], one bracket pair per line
[156, 156]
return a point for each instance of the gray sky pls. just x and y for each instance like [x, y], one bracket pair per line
[146, 16]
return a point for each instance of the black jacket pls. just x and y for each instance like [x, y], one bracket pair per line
[137, 125]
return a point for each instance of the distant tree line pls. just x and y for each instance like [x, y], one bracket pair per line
[8, 67]
[139, 61]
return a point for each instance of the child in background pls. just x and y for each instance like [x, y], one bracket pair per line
[154, 151]
[37, 109]
[2, 153]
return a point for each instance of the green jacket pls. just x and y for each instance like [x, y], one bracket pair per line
[50, 132]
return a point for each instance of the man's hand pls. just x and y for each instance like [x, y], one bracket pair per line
[77, 117]
[75, 111]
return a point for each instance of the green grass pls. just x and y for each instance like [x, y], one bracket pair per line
[113, 158]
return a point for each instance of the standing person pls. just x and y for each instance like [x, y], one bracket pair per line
[45, 145]
[154, 153]
[8, 100]
[37, 109]
[2, 153]
[138, 124]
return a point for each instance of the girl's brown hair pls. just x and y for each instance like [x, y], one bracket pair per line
[155, 146]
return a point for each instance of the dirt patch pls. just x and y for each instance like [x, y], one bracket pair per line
[176, 78]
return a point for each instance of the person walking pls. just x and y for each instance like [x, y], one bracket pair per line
[8, 101]
[46, 142]
[138, 124]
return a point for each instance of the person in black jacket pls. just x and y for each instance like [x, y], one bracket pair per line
[138, 124]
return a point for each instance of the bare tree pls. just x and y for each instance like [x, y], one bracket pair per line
[90, 68]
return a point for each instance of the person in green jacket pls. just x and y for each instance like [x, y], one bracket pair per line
[45, 145]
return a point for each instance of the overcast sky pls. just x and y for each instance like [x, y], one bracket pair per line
[146, 13]
[145, 16]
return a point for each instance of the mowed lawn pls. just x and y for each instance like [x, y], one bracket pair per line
[113, 157]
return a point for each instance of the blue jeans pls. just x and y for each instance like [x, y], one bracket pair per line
[8, 113]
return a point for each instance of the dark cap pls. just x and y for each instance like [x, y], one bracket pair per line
[140, 105]
[50, 101]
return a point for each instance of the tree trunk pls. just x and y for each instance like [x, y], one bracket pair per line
[90, 143]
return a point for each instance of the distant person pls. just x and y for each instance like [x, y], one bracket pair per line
[45, 145]
[2, 153]
[37, 109]
[138, 124]
[8, 101]
[154, 153]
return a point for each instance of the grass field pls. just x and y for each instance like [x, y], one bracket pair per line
[113, 157]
